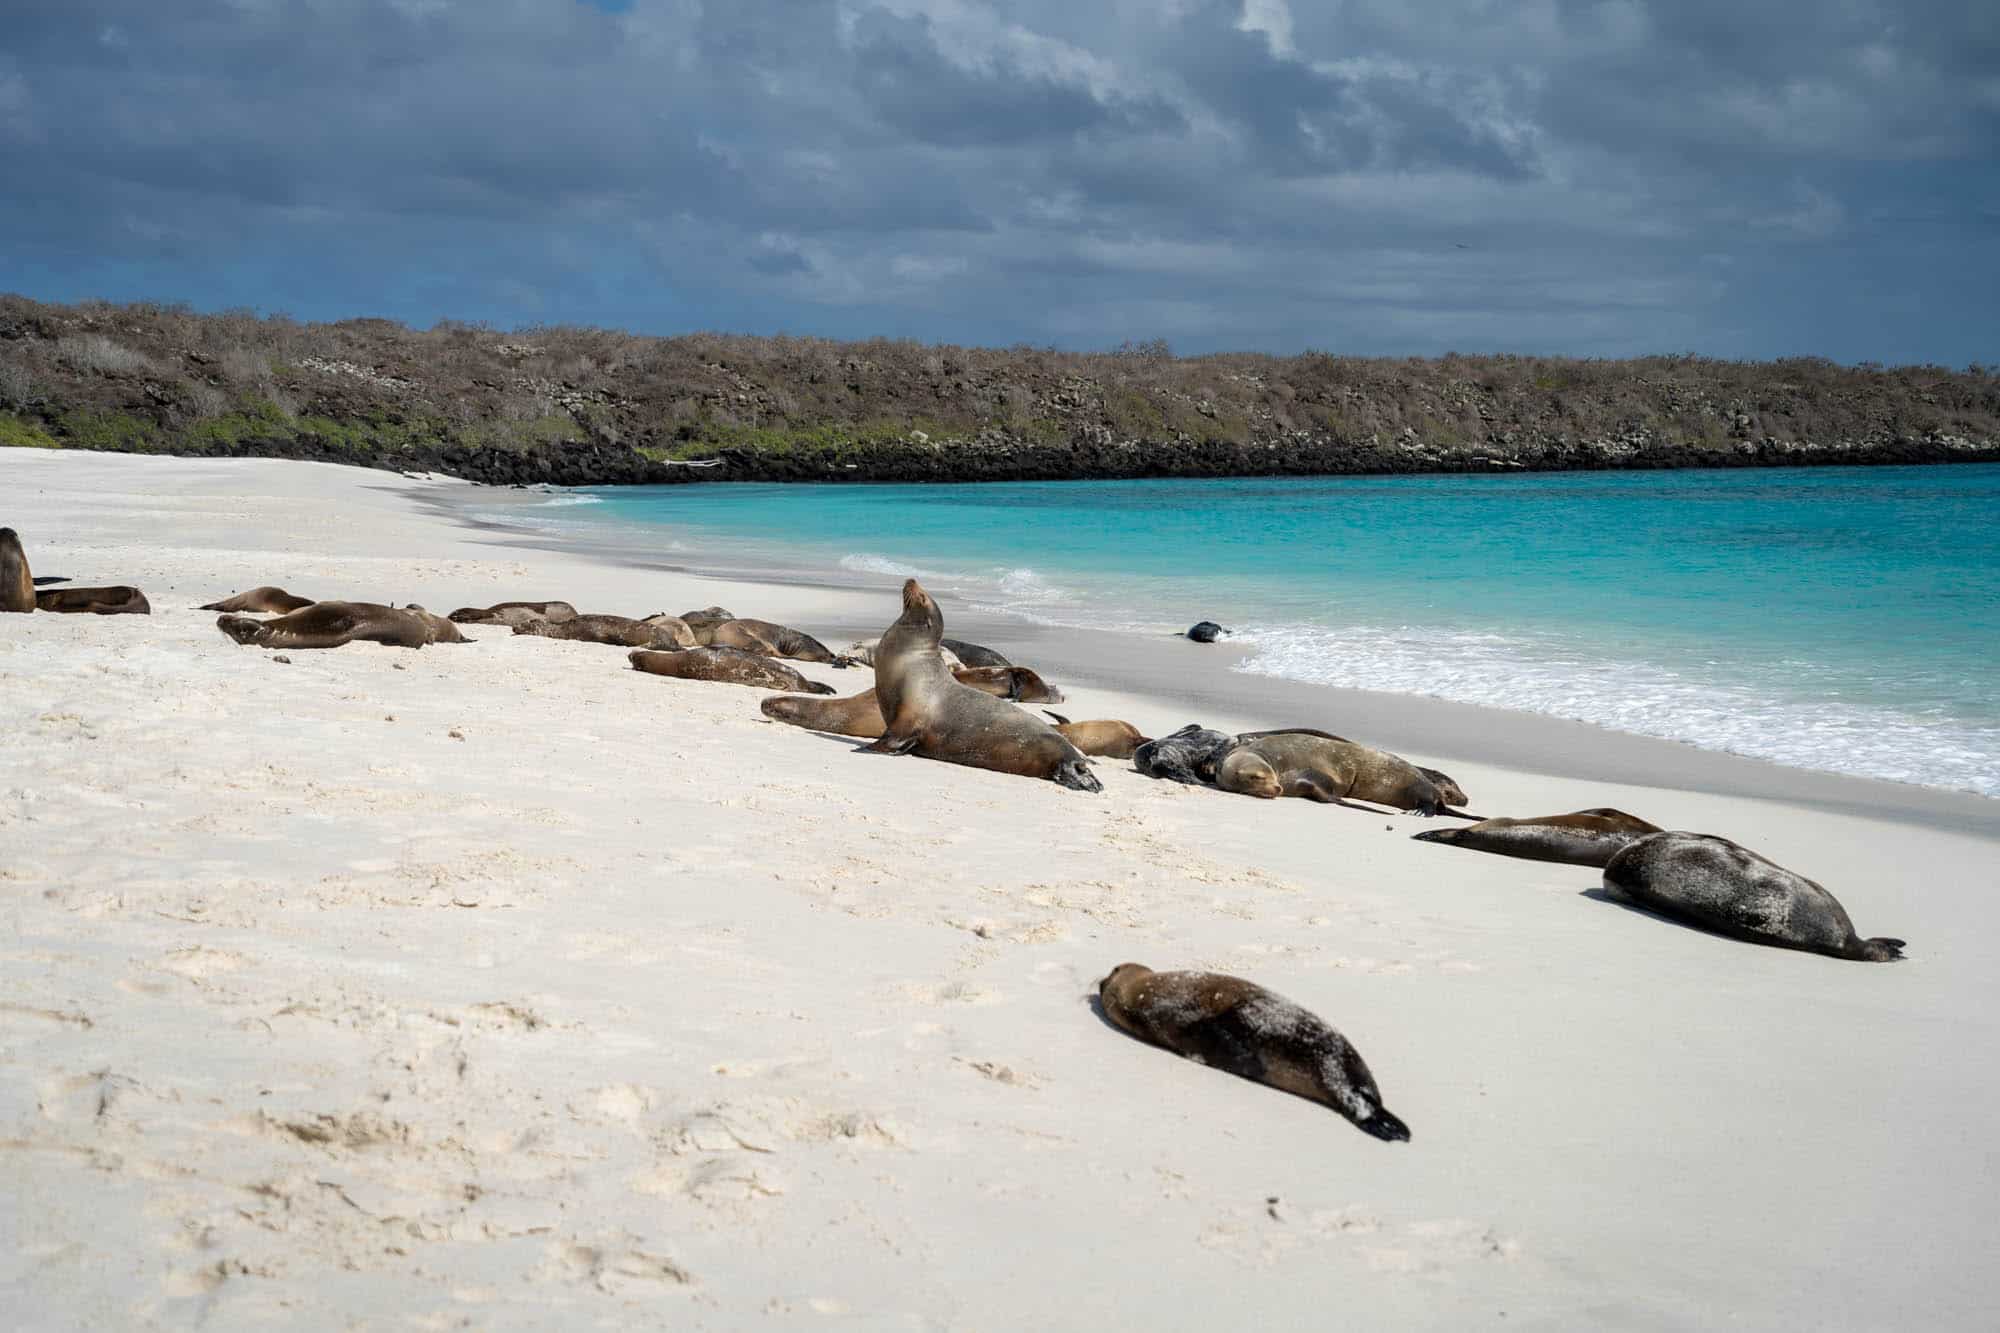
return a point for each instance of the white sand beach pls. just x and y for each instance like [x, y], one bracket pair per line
[502, 986]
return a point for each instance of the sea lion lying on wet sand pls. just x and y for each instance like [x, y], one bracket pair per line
[513, 613]
[728, 666]
[265, 600]
[118, 600]
[622, 631]
[1239, 1027]
[929, 713]
[1584, 838]
[331, 624]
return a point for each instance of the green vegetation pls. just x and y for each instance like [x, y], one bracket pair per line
[16, 433]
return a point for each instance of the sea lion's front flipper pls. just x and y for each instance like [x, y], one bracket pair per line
[889, 743]
[1313, 787]
[41, 580]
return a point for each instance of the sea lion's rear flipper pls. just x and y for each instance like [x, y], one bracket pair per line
[1385, 1126]
[1061, 721]
[1882, 949]
[42, 580]
[890, 744]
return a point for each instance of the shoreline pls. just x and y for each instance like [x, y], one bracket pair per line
[1170, 669]
[501, 985]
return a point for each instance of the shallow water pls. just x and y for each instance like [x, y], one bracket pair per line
[1844, 619]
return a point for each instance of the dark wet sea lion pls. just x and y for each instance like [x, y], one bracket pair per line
[761, 636]
[623, 631]
[1019, 684]
[1719, 886]
[17, 581]
[513, 613]
[118, 600]
[1188, 755]
[931, 714]
[1239, 1027]
[1325, 768]
[972, 655]
[1206, 632]
[1105, 738]
[266, 600]
[331, 624]
[1584, 838]
[728, 666]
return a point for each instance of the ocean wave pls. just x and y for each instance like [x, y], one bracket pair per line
[559, 501]
[1014, 585]
[1762, 717]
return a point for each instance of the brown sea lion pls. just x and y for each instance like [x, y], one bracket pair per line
[728, 666]
[1585, 838]
[761, 636]
[17, 581]
[1319, 767]
[1238, 1026]
[1452, 793]
[1719, 886]
[931, 714]
[513, 613]
[972, 654]
[860, 715]
[118, 600]
[266, 600]
[331, 624]
[622, 631]
[1105, 737]
[1020, 684]
[706, 618]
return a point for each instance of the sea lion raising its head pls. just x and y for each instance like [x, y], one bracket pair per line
[1238, 1026]
[266, 600]
[1325, 768]
[513, 613]
[930, 713]
[1188, 755]
[1585, 838]
[728, 666]
[1719, 886]
[17, 581]
[622, 631]
[118, 600]
[331, 624]
[761, 636]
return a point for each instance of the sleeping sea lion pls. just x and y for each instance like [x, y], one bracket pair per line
[118, 600]
[1188, 755]
[330, 624]
[860, 715]
[622, 631]
[972, 655]
[1020, 684]
[930, 713]
[513, 613]
[1452, 793]
[1106, 737]
[705, 618]
[266, 600]
[1238, 1026]
[728, 666]
[17, 581]
[1719, 886]
[761, 636]
[1324, 768]
[1585, 838]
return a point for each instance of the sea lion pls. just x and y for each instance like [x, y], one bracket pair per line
[1238, 1026]
[930, 713]
[1452, 793]
[118, 600]
[1319, 767]
[972, 655]
[43, 580]
[761, 636]
[330, 624]
[1188, 755]
[1585, 838]
[17, 581]
[1206, 632]
[707, 617]
[1715, 884]
[266, 600]
[1105, 737]
[622, 631]
[729, 666]
[1020, 684]
[513, 613]
[862, 653]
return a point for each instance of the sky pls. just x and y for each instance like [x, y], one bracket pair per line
[1736, 178]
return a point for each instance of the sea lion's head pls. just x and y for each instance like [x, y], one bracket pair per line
[1244, 770]
[920, 613]
[1450, 792]
[1116, 989]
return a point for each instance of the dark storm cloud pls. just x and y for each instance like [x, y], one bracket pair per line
[1374, 175]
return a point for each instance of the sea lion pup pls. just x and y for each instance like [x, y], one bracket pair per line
[1585, 838]
[972, 655]
[330, 624]
[17, 581]
[930, 713]
[1188, 755]
[1715, 884]
[729, 666]
[1324, 768]
[1206, 632]
[622, 631]
[1104, 737]
[761, 636]
[266, 600]
[119, 600]
[513, 613]
[1238, 1026]
[1020, 684]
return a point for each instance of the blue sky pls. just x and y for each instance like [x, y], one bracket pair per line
[1733, 177]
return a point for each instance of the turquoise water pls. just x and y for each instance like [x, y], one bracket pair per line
[1842, 619]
